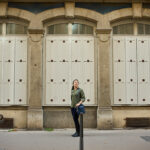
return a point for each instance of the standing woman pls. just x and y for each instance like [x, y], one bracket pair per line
[77, 98]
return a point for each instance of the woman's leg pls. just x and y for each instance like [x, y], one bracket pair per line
[75, 118]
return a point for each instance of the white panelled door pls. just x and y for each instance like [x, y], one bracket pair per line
[119, 70]
[21, 70]
[8, 70]
[135, 70]
[88, 69]
[13, 70]
[1, 72]
[143, 53]
[69, 58]
[131, 70]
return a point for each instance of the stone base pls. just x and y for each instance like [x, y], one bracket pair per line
[61, 117]
[104, 118]
[35, 119]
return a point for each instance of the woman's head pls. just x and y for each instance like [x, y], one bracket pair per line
[75, 83]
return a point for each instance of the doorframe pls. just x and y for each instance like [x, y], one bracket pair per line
[95, 69]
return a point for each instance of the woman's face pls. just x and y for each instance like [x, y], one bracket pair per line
[76, 84]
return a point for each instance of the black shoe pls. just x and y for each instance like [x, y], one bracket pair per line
[76, 135]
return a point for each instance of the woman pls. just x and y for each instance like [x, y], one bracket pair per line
[77, 98]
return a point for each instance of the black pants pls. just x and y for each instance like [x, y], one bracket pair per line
[75, 118]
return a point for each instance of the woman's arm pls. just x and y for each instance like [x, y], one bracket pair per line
[82, 98]
[79, 103]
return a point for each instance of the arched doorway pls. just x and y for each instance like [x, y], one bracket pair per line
[69, 54]
[131, 65]
[13, 63]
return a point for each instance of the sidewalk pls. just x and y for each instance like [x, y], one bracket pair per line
[60, 139]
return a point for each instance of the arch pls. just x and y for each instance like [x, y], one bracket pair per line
[88, 14]
[79, 13]
[103, 21]
[19, 13]
[52, 13]
[125, 14]
[146, 12]
[119, 14]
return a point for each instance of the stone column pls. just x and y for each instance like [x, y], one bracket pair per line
[3, 9]
[69, 9]
[137, 10]
[35, 111]
[104, 112]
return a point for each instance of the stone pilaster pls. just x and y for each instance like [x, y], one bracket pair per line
[69, 9]
[137, 10]
[3, 9]
[104, 112]
[35, 111]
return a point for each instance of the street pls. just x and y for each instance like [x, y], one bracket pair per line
[60, 139]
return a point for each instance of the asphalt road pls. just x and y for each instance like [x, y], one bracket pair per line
[60, 139]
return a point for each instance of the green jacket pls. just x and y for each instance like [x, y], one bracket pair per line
[76, 96]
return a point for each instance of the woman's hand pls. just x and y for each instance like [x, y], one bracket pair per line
[78, 103]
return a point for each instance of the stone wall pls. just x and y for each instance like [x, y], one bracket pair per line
[104, 116]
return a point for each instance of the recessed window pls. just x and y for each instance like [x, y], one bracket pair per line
[123, 29]
[81, 29]
[76, 28]
[0, 28]
[58, 29]
[140, 28]
[143, 29]
[12, 28]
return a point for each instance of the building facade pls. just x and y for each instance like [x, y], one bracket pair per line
[45, 45]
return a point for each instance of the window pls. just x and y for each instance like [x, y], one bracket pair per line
[12, 28]
[58, 29]
[143, 29]
[136, 28]
[0, 28]
[76, 28]
[123, 29]
[81, 29]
